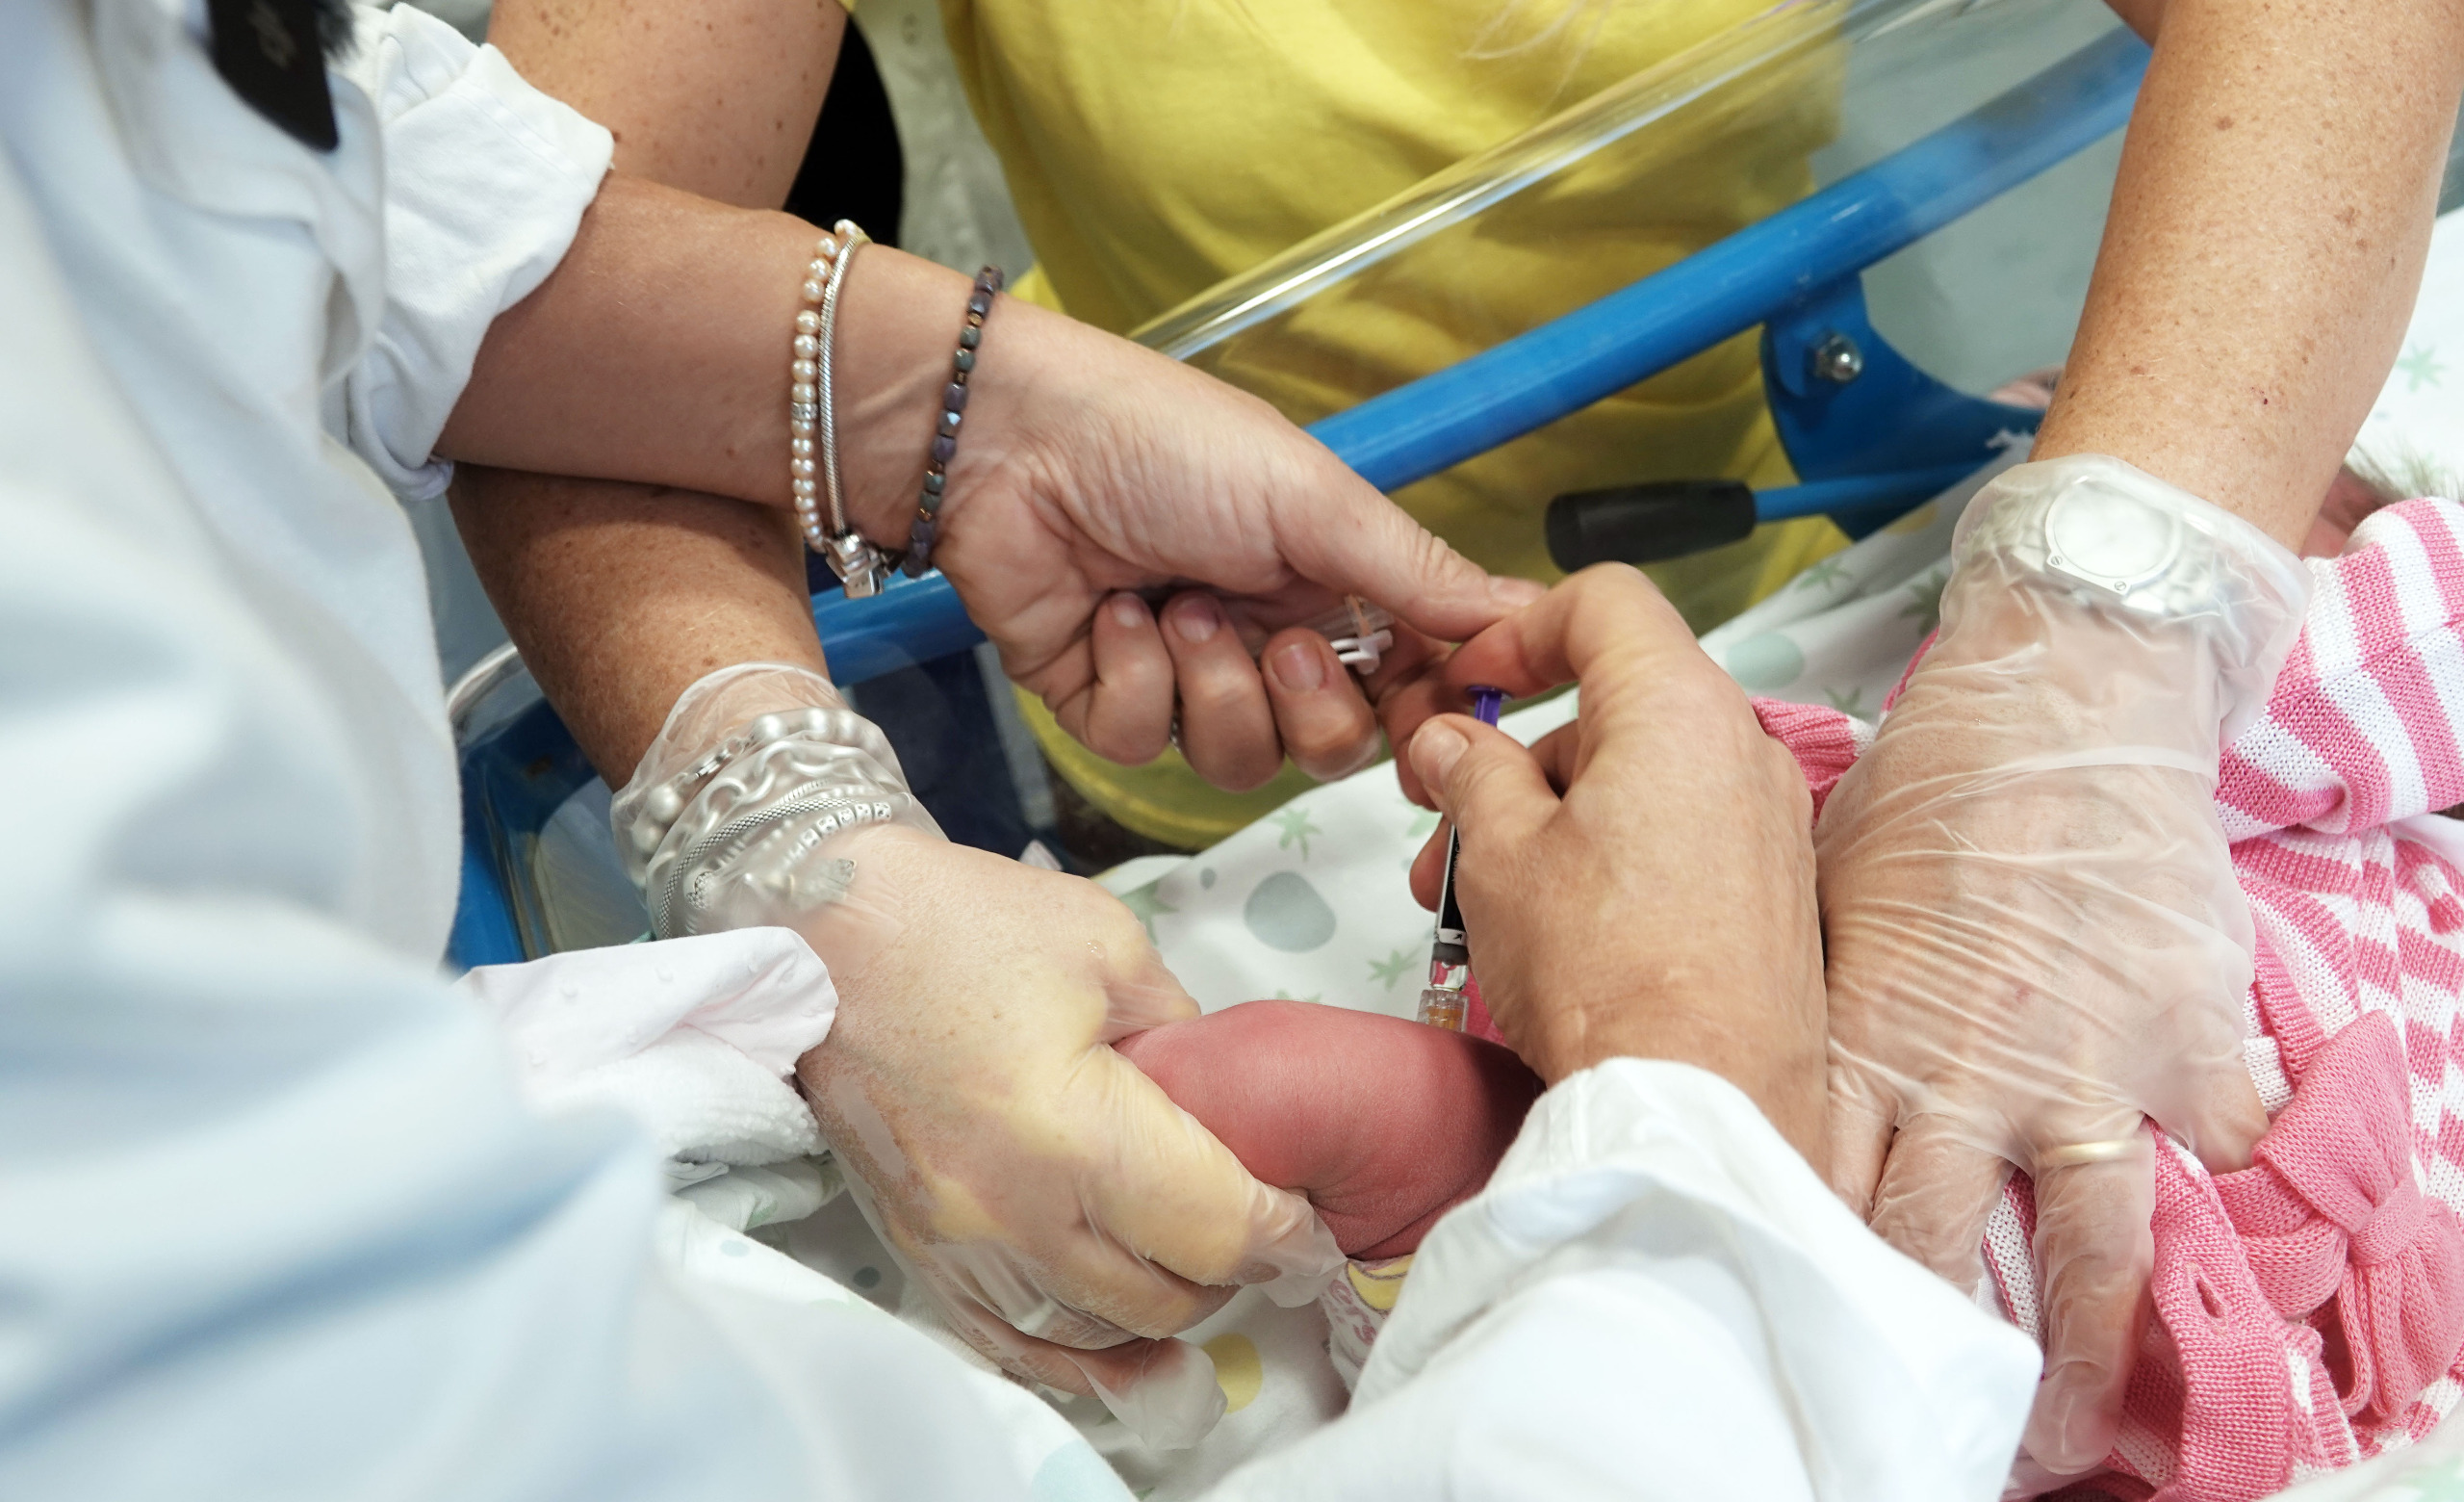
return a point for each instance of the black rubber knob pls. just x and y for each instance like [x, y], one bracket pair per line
[1643, 524]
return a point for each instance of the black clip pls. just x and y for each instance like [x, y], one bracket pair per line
[272, 54]
[1643, 524]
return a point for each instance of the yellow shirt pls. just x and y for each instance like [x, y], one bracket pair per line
[1155, 149]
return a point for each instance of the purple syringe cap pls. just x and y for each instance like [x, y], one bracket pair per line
[1486, 702]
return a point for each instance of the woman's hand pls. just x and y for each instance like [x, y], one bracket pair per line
[2035, 939]
[1094, 481]
[1061, 1211]
[1641, 882]
[1058, 1208]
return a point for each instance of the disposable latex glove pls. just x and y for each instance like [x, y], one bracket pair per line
[1139, 538]
[1059, 1209]
[2034, 935]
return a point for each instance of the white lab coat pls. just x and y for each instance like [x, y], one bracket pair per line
[235, 286]
[274, 1221]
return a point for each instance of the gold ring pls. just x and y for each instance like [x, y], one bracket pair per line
[2112, 1151]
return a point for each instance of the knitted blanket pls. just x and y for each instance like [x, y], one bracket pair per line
[2309, 1310]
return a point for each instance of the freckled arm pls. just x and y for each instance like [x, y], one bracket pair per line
[2266, 244]
[621, 595]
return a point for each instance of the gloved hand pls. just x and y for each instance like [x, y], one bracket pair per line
[1059, 1209]
[1094, 483]
[2035, 938]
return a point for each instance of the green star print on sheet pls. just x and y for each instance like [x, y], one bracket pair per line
[1392, 968]
[2420, 366]
[1822, 575]
[1925, 596]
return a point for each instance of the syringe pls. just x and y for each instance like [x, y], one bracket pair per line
[1450, 958]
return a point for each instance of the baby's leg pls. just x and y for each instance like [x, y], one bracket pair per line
[1385, 1125]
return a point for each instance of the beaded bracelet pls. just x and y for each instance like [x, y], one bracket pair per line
[861, 567]
[945, 435]
[804, 377]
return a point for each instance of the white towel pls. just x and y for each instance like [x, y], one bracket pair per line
[695, 1038]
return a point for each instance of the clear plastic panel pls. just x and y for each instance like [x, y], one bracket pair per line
[1634, 179]
[1999, 292]
[1839, 82]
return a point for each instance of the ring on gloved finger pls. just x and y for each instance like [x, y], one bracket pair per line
[2111, 1150]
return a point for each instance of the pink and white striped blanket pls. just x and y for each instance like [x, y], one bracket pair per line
[2310, 1309]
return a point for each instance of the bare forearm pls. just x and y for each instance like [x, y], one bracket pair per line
[2266, 237]
[677, 313]
[657, 352]
[675, 292]
[621, 595]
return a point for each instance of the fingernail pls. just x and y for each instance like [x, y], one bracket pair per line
[2070, 1439]
[2083, 1438]
[1301, 668]
[1514, 594]
[1434, 750]
[1196, 618]
[1128, 609]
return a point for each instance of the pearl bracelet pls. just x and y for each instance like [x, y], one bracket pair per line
[804, 377]
[861, 567]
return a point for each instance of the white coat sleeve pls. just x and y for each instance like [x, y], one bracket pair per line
[486, 179]
[1654, 1297]
[274, 1221]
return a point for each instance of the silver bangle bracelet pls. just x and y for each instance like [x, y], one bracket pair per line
[2117, 538]
[772, 849]
[861, 567]
[755, 813]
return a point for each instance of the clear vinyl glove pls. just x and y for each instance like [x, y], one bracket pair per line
[1062, 1214]
[2033, 933]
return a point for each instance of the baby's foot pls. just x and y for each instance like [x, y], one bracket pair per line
[1385, 1125]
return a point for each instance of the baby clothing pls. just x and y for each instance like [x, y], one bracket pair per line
[2310, 1309]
